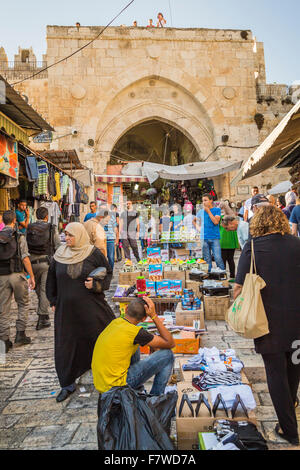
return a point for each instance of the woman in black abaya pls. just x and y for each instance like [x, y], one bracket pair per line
[81, 311]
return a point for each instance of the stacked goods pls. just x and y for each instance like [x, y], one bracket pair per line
[214, 387]
[215, 308]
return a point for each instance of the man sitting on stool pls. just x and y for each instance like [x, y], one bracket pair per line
[116, 358]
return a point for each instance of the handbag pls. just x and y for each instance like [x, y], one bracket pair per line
[247, 316]
[98, 274]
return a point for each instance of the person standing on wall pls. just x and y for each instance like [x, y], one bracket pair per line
[161, 21]
[209, 218]
[14, 257]
[42, 240]
[130, 231]
[22, 214]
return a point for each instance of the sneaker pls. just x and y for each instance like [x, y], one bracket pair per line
[22, 339]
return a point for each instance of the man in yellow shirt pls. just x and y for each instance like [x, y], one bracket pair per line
[116, 358]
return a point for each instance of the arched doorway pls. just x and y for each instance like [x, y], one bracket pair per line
[155, 141]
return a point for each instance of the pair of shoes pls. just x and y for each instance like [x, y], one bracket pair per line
[8, 345]
[292, 440]
[63, 395]
[43, 322]
[21, 338]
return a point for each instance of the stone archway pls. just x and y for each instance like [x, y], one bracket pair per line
[150, 98]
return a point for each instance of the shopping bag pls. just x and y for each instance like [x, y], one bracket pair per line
[247, 316]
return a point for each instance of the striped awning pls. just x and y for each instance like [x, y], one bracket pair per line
[112, 179]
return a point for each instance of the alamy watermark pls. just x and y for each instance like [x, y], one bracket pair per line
[296, 354]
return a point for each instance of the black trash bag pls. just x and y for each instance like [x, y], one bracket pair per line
[127, 422]
[163, 408]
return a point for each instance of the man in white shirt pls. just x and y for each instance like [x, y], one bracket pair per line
[248, 213]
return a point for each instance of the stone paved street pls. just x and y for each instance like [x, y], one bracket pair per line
[30, 417]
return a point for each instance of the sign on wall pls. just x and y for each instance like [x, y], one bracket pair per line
[9, 164]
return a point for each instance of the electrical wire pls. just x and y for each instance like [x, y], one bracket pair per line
[75, 52]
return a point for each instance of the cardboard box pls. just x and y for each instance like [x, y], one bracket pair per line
[188, 427]
[187, 317]
[215, 308]
[194, 286]
[175, 275]
[128, 278]
[180, 253]
[183, 346]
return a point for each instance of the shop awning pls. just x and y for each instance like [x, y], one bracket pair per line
[282, 144]
[281, 188]
[189, 171]
[111, 179]
[66, 159]
[19, 111]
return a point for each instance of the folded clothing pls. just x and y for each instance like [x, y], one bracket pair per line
[229, 394]
[209, 380]
[213, 360]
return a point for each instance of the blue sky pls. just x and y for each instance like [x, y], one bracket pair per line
[274, 22]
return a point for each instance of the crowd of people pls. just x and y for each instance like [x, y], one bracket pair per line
[70, 273]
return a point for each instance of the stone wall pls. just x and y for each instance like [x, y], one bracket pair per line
[202, 81]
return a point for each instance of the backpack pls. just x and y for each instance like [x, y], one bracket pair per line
[10, 257]
[39, 239]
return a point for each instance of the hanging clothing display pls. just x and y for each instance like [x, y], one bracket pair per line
[41, 185]
[51, 182]
[57, 185]
[53, 211]
[31, 168]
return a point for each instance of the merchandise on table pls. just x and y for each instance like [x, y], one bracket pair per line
[209, 380]
[229, 395]
[247, 432]
[189, 301]
[213, 360]
[155, 272]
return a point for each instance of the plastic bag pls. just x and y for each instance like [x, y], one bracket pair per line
[129, 421]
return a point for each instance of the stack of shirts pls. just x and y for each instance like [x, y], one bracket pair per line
[212, 360]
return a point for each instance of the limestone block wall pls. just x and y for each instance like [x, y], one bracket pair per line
[201, 81]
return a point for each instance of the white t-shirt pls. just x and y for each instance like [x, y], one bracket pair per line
[248, 208]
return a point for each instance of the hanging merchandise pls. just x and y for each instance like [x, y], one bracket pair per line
[51, 182]
[41, 186]
[58, 196]
[31, 168]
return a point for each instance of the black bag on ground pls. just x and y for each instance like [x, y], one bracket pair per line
[130, 421]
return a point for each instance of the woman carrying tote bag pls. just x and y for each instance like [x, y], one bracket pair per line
[277, 258]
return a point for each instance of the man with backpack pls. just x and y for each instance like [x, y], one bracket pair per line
[42, 240]
[14, 257]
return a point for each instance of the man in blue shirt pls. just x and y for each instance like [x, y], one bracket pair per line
[92, 214]
[209, 218]
[295, 221]
[22, 214]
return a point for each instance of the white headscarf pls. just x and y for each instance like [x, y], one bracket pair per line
[80, 251]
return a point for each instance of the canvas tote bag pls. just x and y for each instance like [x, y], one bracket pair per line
[247, 316]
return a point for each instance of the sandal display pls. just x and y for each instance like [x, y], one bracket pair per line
[185, 399]
[201, 400]
[238, 401]
[219, 400]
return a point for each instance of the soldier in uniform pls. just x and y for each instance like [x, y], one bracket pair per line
[42, 240]
[14, 257]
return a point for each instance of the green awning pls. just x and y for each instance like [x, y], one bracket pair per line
[12, 129]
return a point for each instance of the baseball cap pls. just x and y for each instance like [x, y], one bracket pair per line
[259, 199]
